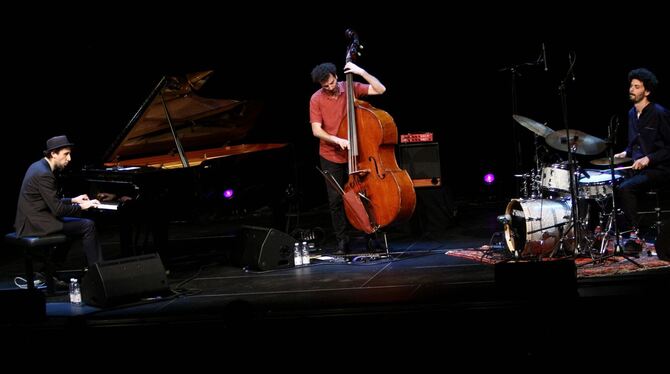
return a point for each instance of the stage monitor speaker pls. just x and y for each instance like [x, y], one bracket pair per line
[263, 248]
[422, 162]
[537, 279]
[124, 280]
[662, 244]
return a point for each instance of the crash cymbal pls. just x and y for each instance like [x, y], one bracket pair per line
[581, 142]
[533, 126]
[605, 161]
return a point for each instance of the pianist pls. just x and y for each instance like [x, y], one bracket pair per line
[41, 212]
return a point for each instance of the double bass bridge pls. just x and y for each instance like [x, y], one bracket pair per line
[361, 172]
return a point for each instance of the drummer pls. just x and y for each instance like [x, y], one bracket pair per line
[648, 145]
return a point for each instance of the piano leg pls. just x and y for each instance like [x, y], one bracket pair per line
[143, 228]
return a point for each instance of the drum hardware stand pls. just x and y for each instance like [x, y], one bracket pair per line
[536, 182]
[618, 249]
[558, 245]
[527, 191]
[563, 234]
[536, 173]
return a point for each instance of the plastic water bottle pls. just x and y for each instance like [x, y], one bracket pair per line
[305, 253]
[297, 254]
[75, 291]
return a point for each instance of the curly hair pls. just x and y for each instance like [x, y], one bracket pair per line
[321, 72]
[646, 77]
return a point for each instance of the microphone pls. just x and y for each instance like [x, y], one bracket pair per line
[609, 128]
[544, 57]
[584, 172]
[616, 127]
[351, 34]
[504, 219]
[572, 61]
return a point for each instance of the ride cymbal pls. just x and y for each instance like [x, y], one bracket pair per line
[532, 125]
[580, 142]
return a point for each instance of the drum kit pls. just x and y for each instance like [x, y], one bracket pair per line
[540, 222]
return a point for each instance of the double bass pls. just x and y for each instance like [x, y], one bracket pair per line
[377, 193]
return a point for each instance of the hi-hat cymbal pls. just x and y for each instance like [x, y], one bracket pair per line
[532, 125]
[605, 161]
[581, 142]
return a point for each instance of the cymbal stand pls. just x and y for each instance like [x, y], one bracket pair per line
[612, 220]
[571, 148]
[535, 184]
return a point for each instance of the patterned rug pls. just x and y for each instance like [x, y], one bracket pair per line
[586, 267]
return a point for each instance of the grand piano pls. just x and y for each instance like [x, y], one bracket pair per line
[181, 158]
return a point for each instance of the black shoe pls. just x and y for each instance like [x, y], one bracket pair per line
[632, 247]
[342, 248]
[59, 285]
[663, 254]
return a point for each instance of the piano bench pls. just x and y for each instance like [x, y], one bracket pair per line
[37, 244]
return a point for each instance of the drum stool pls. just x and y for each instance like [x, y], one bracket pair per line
[657, 210]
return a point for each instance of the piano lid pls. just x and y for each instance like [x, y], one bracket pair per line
[198, 122]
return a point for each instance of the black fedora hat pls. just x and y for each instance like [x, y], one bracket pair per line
[56, 142]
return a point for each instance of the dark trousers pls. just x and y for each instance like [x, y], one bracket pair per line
[82, 230]
[629, 191]
[341, 174]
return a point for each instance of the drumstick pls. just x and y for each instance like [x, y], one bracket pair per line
[624, 167]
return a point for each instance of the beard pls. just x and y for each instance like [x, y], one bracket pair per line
[634, 98]
[334, 91]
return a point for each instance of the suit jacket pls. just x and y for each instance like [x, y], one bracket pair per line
[39, 210]
[652, 131]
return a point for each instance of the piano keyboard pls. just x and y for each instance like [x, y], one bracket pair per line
[107, 206]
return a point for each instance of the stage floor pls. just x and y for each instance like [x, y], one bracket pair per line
[416, 287]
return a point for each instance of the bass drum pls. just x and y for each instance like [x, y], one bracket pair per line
[535, 226]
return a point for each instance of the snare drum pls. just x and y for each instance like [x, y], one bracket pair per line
[556, 178]
[598, 184]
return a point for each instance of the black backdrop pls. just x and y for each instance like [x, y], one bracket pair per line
[85, 76]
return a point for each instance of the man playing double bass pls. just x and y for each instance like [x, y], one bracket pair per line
[327, 110]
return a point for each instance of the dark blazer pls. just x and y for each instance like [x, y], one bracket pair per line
[652, 131]
[39, 209]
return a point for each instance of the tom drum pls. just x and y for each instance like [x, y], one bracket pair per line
[556, 178]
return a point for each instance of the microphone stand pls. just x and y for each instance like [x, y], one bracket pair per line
[515, 71]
